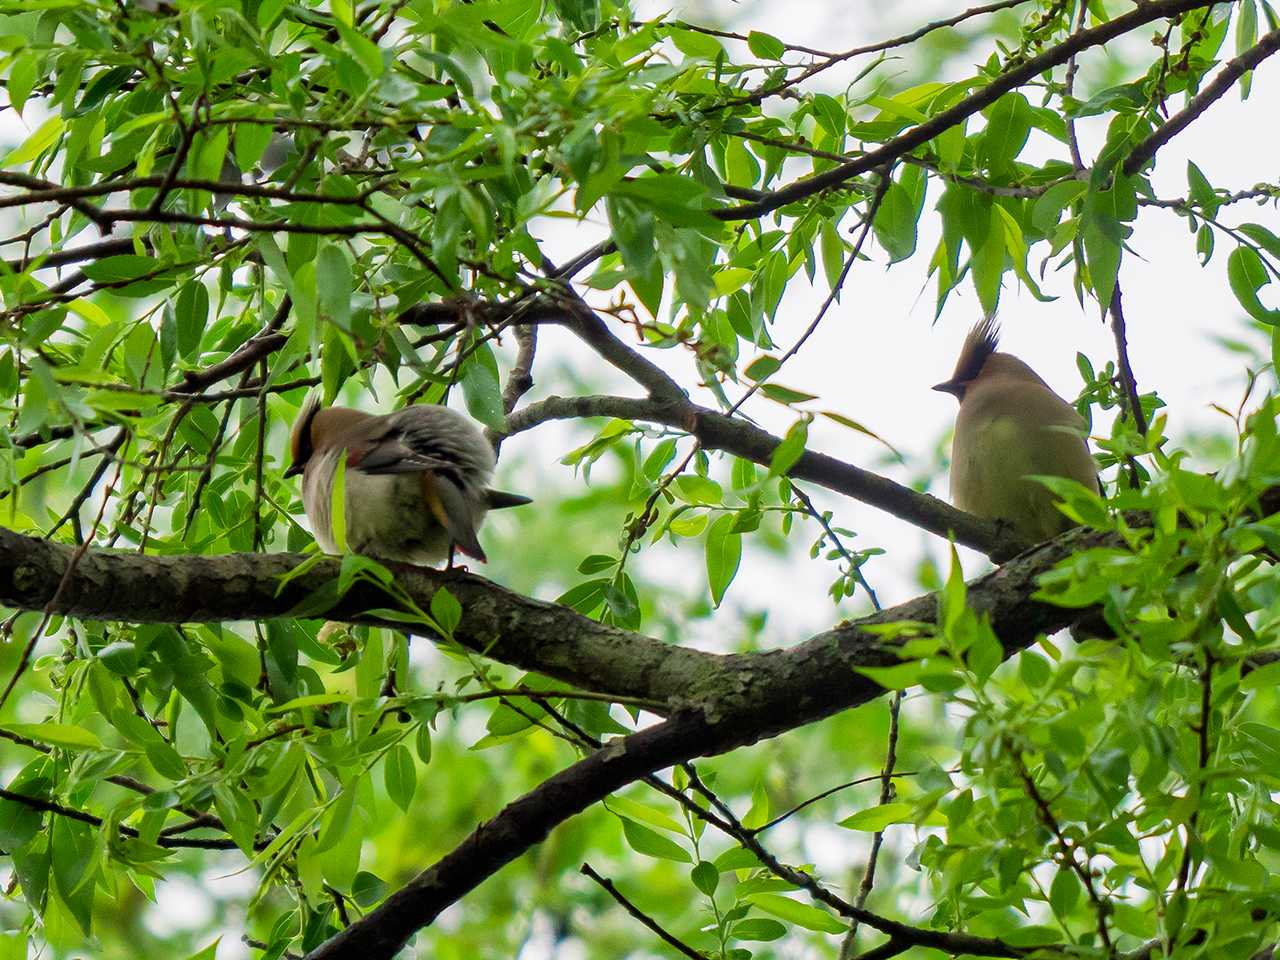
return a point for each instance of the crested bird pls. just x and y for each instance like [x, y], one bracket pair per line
[1011, 427]
[415, 483]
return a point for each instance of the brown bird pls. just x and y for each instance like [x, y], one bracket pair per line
[1012, 426]
[416, 481]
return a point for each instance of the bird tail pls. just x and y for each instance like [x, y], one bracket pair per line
[500, 499]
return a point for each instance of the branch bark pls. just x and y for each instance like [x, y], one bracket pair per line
[717, 702]
[717, 431]
[917, 136]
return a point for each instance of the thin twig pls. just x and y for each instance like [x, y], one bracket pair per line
[667, 937]
[1202, 738]
[886, 795]
[1132, 399]
[1067, 850]
[1073, 142]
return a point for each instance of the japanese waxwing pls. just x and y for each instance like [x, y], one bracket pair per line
[416, 481]
[1012, 426]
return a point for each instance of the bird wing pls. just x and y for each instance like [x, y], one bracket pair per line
[455, 511]
[393, 454]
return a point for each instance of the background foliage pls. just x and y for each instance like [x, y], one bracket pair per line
[216, 207]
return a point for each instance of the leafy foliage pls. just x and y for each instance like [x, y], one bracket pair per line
[216, 208]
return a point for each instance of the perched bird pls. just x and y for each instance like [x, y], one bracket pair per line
[1012, 426]
[416, 481]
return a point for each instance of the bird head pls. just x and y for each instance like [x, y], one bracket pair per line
[979, 346]
[316, 428]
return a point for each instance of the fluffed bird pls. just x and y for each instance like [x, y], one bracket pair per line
[1012, 426]
[415, 483]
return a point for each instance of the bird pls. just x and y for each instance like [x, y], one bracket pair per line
[1012, 426]
[415, 482]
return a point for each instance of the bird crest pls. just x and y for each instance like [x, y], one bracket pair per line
[300, 441]
[981, 342]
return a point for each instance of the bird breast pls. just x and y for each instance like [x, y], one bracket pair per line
[1005, 433]
[385, 514]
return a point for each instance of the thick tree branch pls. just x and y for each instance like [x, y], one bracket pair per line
[746, 696]
[719, 702]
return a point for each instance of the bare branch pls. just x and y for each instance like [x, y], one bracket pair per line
[675, 942]
[717, 431]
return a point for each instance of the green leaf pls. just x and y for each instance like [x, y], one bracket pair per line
[898, 677]
[644, 813]
[875, 819]
[56, 735]
[336, 818]
[765, 46]
[1102, 238]
[365, 51]
[895, 223]
[724, 554]
[208, 953]
[1247, 275]
[643, 840]
[333, 286]
[210, 153]
[1048, 207]
[120, 657]
[705, 877]
[759, 929]
[237, 812]
[338, 505]
[633, 230]
[22, 78]
[697, 490]
[1008, 127]
[401, 776]
[74, 869]
[762, 367]
[125, 266]
[482, 390]
[596, 562]
[37, 143]
[20, 823]
[790, 450]
[1200, 192]
[368, 889]
[697, 45]
[786, 395]
[250, 143]
[446, 611]
[191, 313]
[801, 914]
[988, 263]
[1266, 677]
[1263, 237]
[1065, 891]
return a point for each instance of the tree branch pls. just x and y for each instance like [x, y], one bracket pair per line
[716, 431]
[718, 702]
[608, 886]
[924, 132]
[1201, 102]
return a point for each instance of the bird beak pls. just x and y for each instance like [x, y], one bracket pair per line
[951, 387]
[294, 470]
